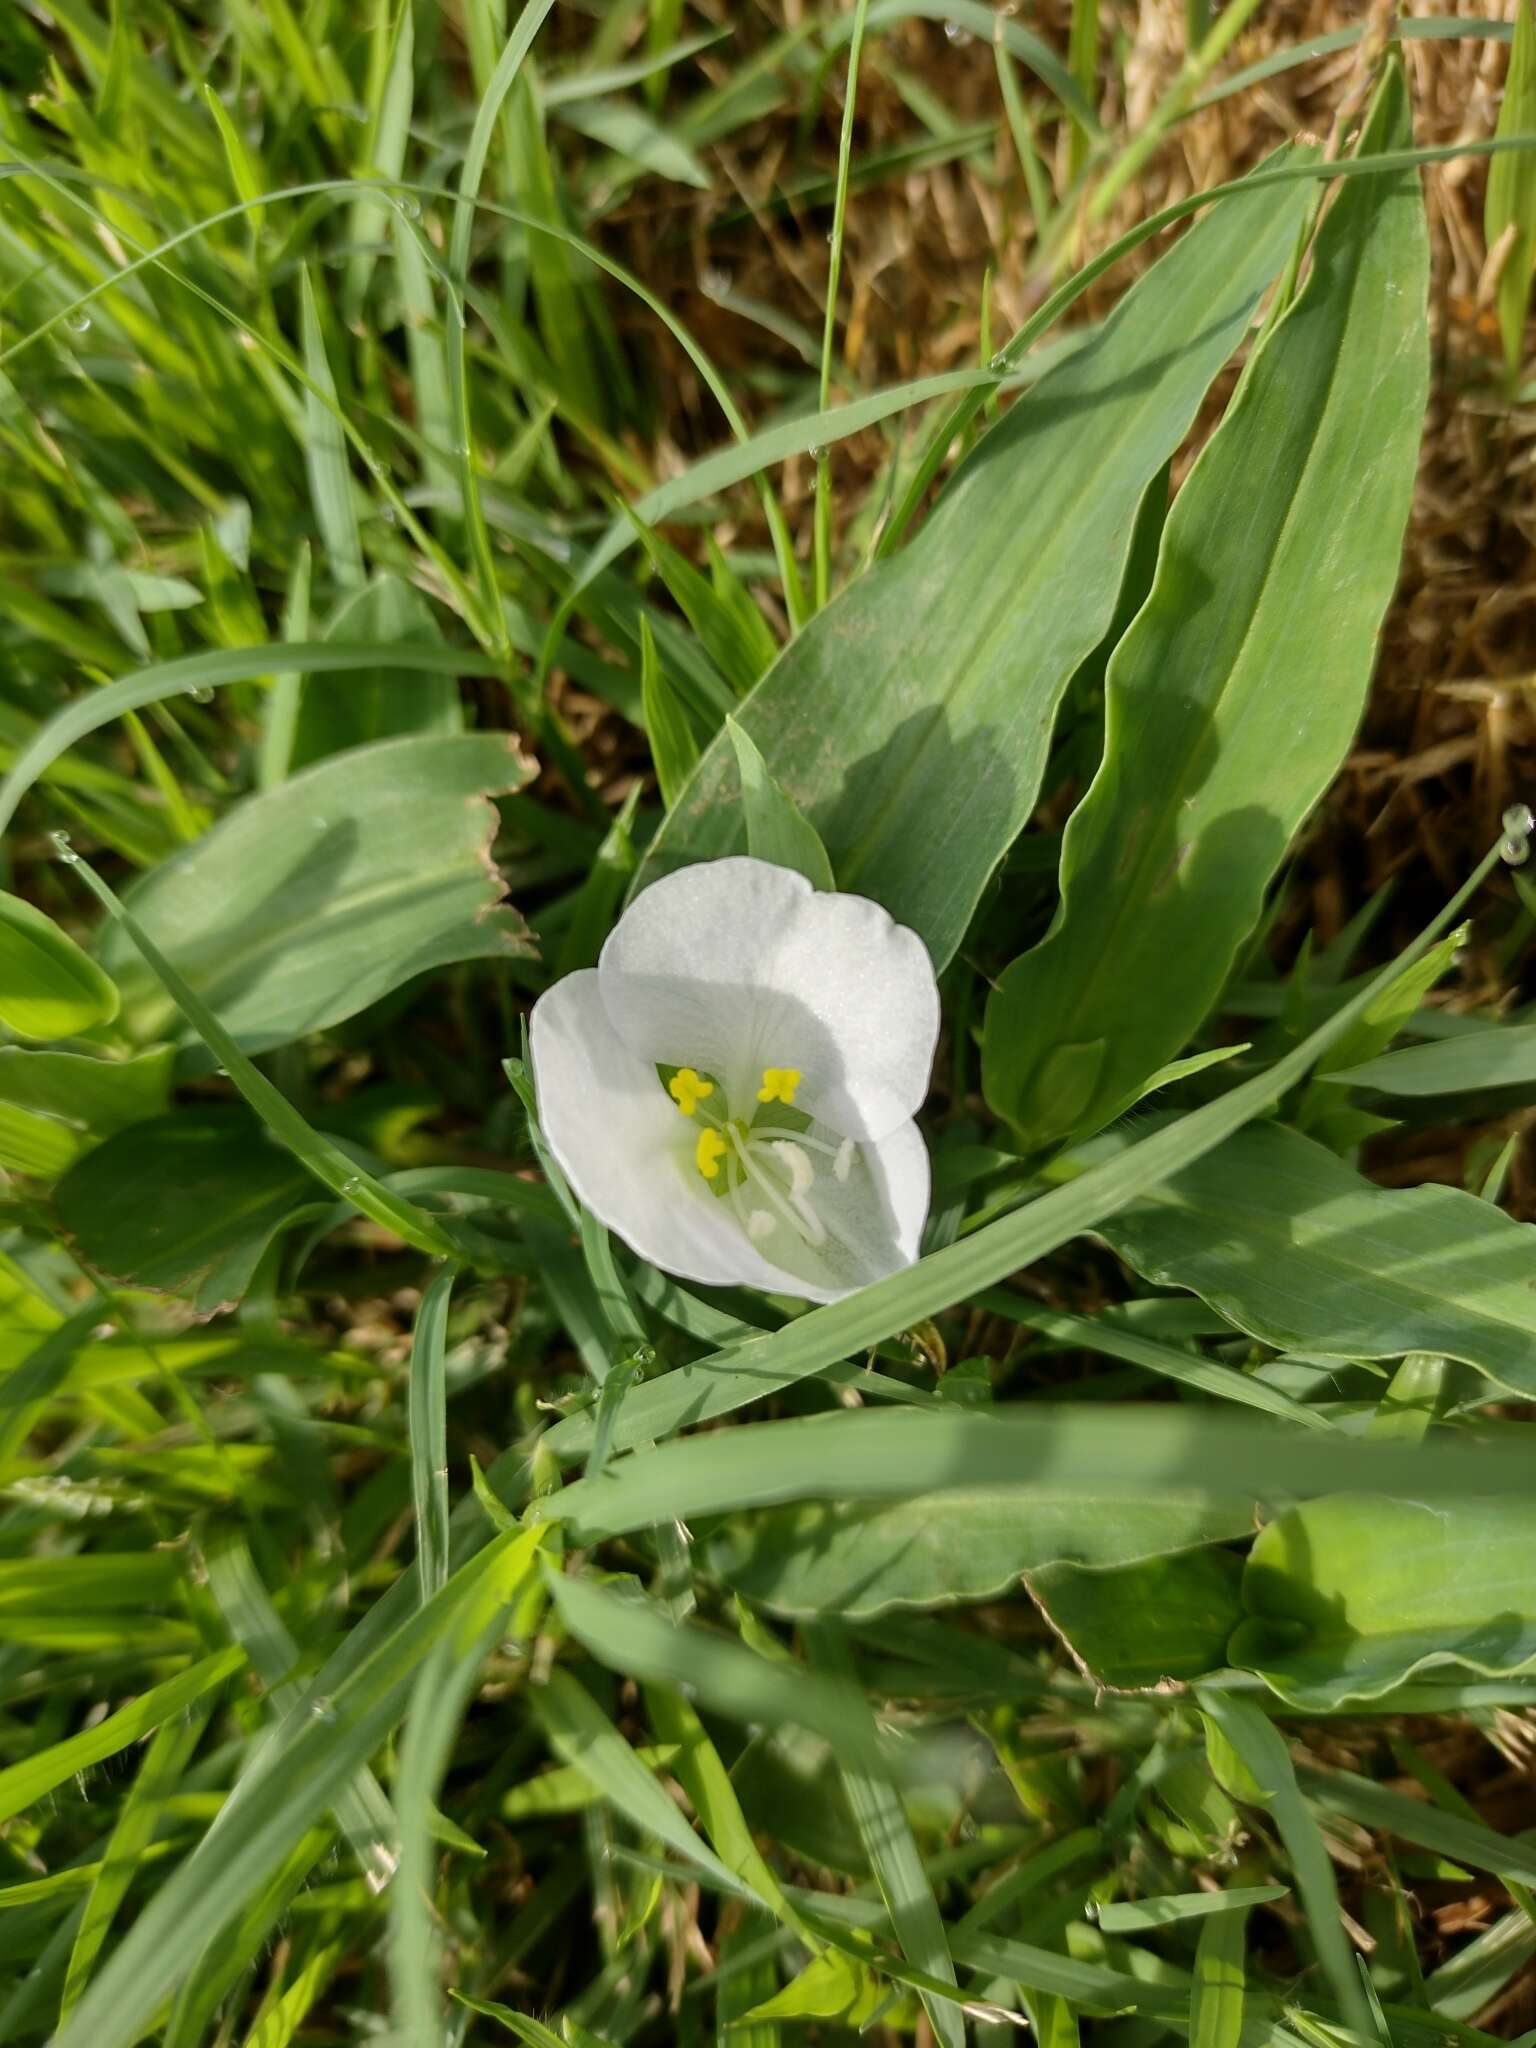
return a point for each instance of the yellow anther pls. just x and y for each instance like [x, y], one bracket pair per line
[708, 1153]
[779, 1084]
[688, 1089]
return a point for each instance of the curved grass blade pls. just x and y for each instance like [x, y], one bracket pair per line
[193, 673]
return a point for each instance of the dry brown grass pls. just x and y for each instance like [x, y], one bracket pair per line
[1450, 738]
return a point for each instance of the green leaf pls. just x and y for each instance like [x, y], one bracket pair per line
[325, 451]
[429, 1432]
[1141, 1447]
[1262, 1748]
[777, 830]
[889, 1842]
[1132, 1916]
[389, 702]
[98, 1096]
[1139, 1626]
[25, 1783]
[1264, 597]
[1296, 1248]
[1501, 1057]
[631, 133]
[191, 674]
[831, 1986]
[861, 1558]
[308, 902]
[674, 749]
[1510, 205]
[1217, 1994]
[314, 1753]
[941, 670]
[48, 987]
[581, 1733]
[186, 1203]
[1351, 1596]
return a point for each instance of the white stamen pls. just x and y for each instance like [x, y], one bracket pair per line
[796, 1163]
[844, 1160]
[760, 1225]
[800, 1216]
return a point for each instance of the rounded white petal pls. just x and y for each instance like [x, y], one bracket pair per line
[736, 965]
[626, 1150]
[629, 1156]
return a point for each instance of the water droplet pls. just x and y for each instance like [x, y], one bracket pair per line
[817, 452]
[957, 35]
[200, 693]
[353, 1184]
[999, 361]
[1515, 852]
[377, 466]
[78, 323]
[716, 281]
[1518, 821]
[323, 1710]
[408, 205]
[390, 516]
[319, 824]
[63, 850]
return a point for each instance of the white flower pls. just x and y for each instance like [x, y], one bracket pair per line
[731, 1089]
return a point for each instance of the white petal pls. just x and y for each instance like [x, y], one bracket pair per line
[627, 1152]
[735, 965]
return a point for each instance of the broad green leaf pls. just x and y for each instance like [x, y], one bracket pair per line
[1501, 1057]
[1298, 1249]
[97, 1096]
[391, 701]
[910, 719]
[1351, 1596]
[831, 1986]
[1510, 207]
[48, 987]
[1139, 1626]
[308, 902]
[1264, 597]
[858, 1558]
[777, 829]
[186, 1203]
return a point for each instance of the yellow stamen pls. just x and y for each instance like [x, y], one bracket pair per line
[688, 1089]
[779, 1084]
[708, 1153]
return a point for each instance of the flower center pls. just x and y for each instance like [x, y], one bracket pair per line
[760, 1163]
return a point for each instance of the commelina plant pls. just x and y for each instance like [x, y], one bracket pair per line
[698, 1336]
